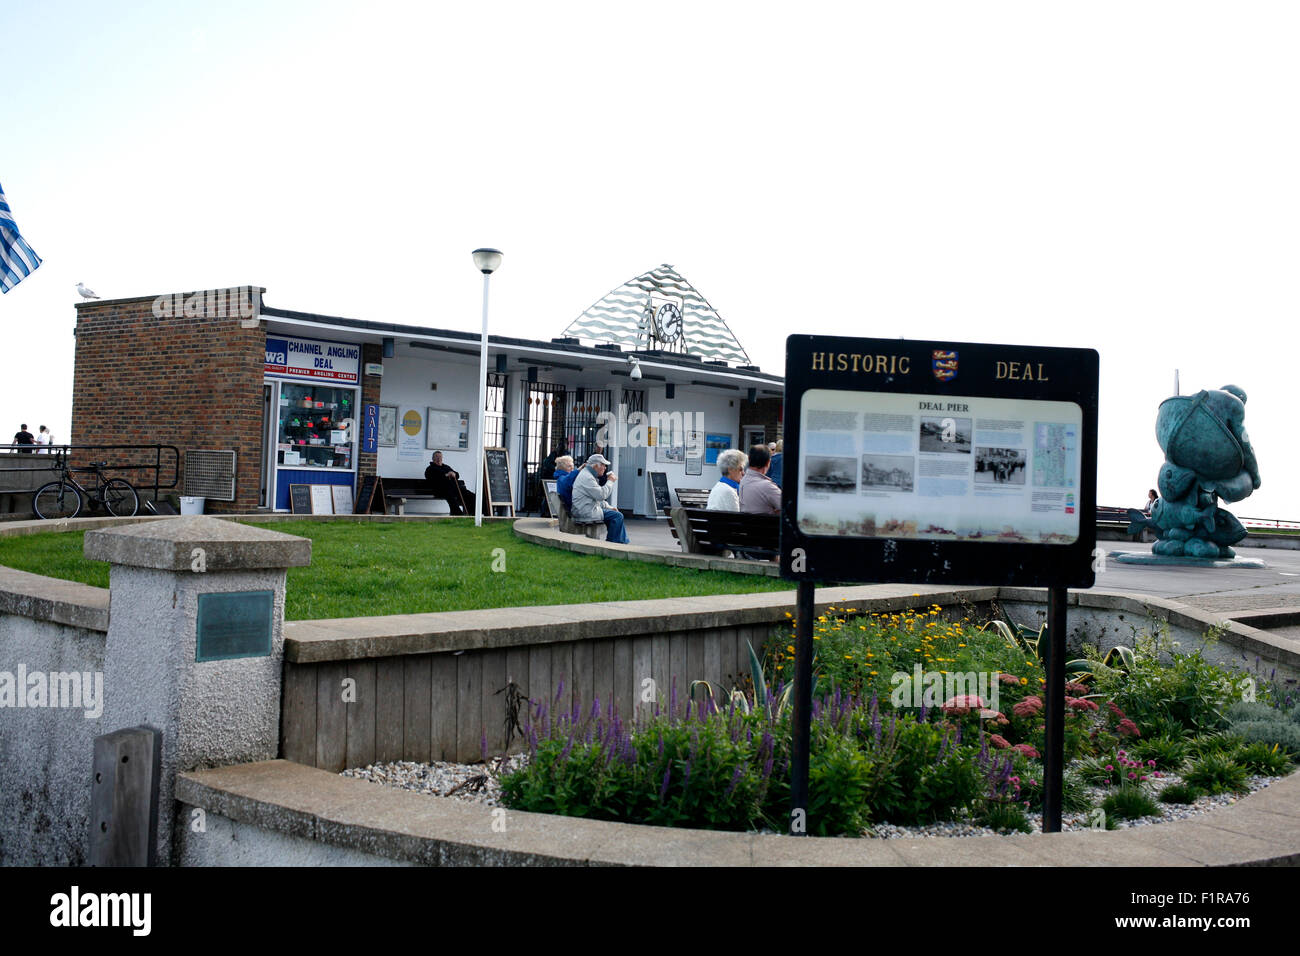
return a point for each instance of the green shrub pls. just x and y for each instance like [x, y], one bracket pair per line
[1180, 793]
[1283, 734]
[1217, 773]
[1220, 743]
[1074, 793]
[1268, 760]
[1242, 711]
[1004, 817]
[1129, 803]
[1098, 771]
[1169, 753]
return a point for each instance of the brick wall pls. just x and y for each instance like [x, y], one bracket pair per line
[765, 412]
[367, 462]
[190, 382]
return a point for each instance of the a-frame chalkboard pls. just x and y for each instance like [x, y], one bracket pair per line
[370, 497]
[496, 461]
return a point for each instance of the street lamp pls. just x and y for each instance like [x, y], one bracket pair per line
[486, 261]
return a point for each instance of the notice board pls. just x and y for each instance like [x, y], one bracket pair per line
[939, 462]
[497, 463]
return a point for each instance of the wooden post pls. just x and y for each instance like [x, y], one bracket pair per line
[124, 798]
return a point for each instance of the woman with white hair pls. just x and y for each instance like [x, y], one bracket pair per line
[725, 495]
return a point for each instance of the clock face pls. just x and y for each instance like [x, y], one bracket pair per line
[668, 322]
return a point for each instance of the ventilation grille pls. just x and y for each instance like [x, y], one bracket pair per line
[210, 474]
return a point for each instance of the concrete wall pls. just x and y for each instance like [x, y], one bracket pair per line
[46, 752]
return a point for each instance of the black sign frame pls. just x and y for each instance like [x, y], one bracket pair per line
[497, 484]
[899, 366]
[659, 483]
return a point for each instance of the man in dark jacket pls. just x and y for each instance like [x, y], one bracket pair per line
[446, 484]
[24, 437]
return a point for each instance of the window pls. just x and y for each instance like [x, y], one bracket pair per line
[316, 426]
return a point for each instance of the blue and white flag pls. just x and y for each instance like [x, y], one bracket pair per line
[17, 258]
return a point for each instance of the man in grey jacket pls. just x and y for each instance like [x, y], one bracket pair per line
[759, 494]
[589, 498]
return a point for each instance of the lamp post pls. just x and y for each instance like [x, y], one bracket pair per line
[487, 261]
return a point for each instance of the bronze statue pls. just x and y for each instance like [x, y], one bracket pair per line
[1208, 456]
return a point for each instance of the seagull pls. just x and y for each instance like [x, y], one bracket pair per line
[86, 293]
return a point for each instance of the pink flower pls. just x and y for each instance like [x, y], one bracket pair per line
[1028, 707]
[1114, 709]
[1080, 704]
[1127, 728]
[998, 741]
[1132, 775]
[962, 704]
[1027, 749]
[1009, 679]
[1151, 763]
[1078, 690]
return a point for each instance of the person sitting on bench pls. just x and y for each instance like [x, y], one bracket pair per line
[589, 499]
[446, 484]
[565, 475]
[759, 494]
[725, 495]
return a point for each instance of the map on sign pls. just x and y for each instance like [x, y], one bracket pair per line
[954, 468]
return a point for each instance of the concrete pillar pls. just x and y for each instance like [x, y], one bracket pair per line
[167, 577]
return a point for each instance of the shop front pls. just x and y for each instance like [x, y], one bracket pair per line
[311, 393]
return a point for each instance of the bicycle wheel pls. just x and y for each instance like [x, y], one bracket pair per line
[58, 499]
[120, 498]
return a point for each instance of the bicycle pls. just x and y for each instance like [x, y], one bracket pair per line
[64, 497]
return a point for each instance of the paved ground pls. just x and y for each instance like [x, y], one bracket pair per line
[1214, 589]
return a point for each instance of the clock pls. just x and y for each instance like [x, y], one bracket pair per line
[668, 323]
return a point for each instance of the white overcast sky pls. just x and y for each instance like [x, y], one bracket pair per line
[1117, 176]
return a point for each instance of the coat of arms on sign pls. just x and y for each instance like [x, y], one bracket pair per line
[944, 365]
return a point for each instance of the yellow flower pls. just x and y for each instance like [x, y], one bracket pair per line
[848, 657]
[790, 648]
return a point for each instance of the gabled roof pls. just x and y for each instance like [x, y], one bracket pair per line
[619, 317]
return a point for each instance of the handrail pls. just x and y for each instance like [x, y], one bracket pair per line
[165, 458]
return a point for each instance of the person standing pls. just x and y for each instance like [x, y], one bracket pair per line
[759, 494]
[24, 437]
[44, 438]
[778, 462]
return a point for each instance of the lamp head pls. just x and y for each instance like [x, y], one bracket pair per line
[487, 261]
[635, 374]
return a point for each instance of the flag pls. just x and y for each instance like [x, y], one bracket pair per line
[17, 258]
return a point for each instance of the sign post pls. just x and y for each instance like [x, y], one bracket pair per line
[938, 463]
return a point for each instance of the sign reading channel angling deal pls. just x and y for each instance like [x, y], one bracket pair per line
[939, 462]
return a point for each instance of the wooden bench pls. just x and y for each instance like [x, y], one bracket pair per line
[398, 491]
[700, 531]
[597, 530]
[693, 497]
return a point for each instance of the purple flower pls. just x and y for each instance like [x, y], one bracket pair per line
[559, 690]
[735, 779]
[663, 788]
[686, 782]
[767, 769]
[483, 745]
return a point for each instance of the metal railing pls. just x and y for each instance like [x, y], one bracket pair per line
[164, 466]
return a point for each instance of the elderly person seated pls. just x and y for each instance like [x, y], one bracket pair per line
[589, 497]
[778, 462]
[759, 494]
[725, 495]
[565, 474]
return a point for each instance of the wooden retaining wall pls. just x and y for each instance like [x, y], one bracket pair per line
[442, 706]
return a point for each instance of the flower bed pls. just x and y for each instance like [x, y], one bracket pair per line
[916, 720]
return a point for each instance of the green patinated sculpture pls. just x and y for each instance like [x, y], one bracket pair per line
[1208, 456]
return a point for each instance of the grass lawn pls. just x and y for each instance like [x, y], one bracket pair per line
[365, 570]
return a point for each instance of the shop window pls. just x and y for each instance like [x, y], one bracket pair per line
[317, 426]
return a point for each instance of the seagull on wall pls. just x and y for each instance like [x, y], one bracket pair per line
[86, 293]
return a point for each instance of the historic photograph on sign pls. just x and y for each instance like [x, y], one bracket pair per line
[388, 426]
[948, 435]
[830, 475]
[670, 445]
[888, 473]
[446, 430]
[1000, 466]
[1004, 470]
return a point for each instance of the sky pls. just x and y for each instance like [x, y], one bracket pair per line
[1117, 176]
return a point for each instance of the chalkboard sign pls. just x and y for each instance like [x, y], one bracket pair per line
[497, 462]
[659, 483]
[300, 499]
[342, 499]
[370, 497]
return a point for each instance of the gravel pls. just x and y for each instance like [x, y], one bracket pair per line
[477, 783]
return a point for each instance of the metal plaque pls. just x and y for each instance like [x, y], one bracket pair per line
[234, 625]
